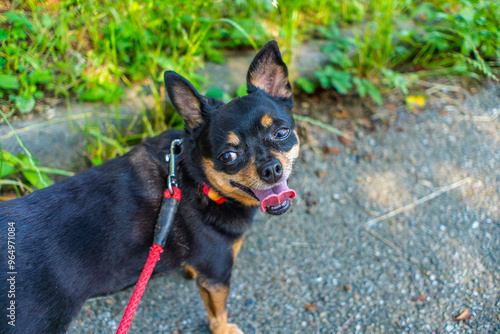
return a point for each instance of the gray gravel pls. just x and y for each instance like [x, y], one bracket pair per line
[317, 269]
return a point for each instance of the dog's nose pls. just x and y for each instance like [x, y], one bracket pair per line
[271, 172]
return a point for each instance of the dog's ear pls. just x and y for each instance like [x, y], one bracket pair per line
[186, 100]
[269, 73]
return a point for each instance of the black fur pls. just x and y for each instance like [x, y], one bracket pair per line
[89, 235]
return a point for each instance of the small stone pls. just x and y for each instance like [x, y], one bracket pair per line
[331, 150]
[310, 307]
[321, 174]
[368, 157]
[104, 315]
[354, 157]
[449, 328]
[475, 224]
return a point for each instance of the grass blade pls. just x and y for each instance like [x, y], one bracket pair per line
[322, 125]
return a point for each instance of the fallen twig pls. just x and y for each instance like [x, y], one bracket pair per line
[341, 329]
[481, 118]
[424, 199]
[384, 240]
[441, 87]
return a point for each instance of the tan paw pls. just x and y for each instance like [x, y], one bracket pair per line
[227, 329]
[233, 329]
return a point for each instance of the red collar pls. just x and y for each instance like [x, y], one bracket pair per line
[213, 195]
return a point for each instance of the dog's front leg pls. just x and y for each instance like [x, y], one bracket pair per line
[215, 296]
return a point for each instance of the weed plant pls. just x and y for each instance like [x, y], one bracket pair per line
[92, 50]
[400, 42]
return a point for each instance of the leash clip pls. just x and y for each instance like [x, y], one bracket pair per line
[172, 159]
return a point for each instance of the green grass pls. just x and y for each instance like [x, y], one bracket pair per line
[400, 42]
[93, 50]
[22, 172]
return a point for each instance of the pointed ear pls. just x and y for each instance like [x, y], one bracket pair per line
[185, 98]
[269, 73]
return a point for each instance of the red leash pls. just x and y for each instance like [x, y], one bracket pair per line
[154, 256]
[171, 199]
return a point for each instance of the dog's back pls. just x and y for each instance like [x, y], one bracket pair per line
[57, 236]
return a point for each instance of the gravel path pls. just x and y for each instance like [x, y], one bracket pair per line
[322, 269]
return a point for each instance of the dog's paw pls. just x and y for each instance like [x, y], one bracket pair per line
[233, 329]
[226, 329]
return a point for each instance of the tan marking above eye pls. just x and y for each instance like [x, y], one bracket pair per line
[232, 139]
[266, 121]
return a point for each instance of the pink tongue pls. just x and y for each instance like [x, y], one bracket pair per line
[274, 196]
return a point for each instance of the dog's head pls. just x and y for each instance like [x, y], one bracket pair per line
[244, 149]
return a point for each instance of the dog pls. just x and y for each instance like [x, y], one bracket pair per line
[89, 235]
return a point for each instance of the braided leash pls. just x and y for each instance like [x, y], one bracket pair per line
[154, 256]
[171, 199]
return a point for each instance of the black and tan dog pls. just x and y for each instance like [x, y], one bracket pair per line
[89, 235]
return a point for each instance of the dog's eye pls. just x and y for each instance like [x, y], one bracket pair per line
[282, 133]
[228, 157]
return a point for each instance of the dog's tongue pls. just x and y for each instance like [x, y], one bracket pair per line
[274, 196]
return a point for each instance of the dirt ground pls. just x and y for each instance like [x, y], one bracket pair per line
[395, 232]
